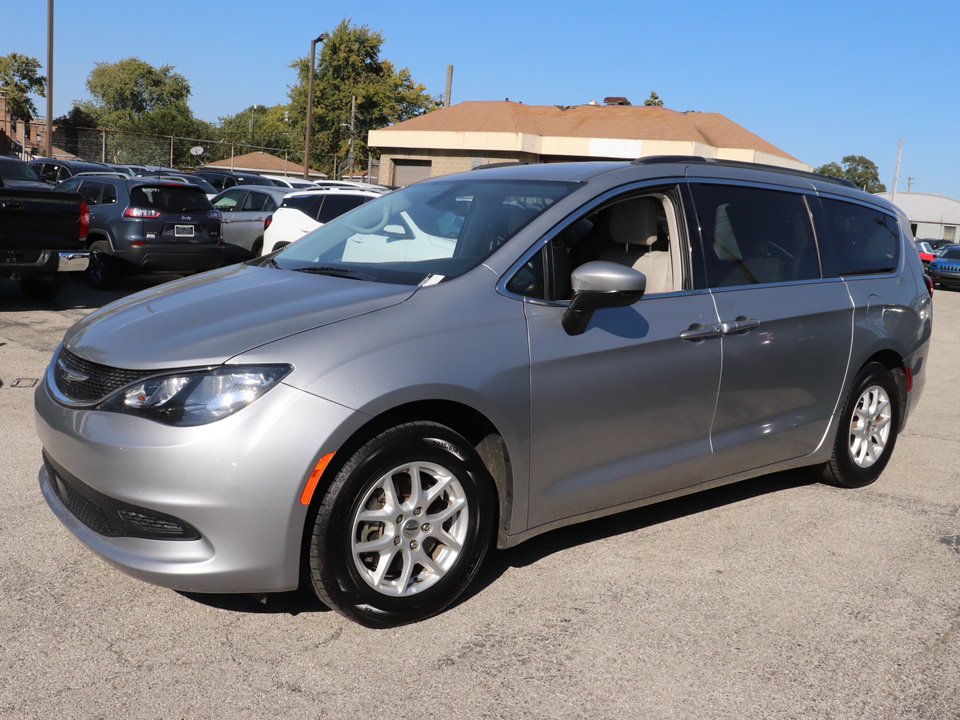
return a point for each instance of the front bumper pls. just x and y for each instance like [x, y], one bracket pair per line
[943, 276]
[237, 482]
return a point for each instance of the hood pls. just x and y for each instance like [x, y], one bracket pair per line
[207, 319]
[27, 184]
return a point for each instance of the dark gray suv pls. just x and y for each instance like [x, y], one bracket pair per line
[144, 225]
[479, 358]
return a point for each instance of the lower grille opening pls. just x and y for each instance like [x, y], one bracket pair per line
[113, 518]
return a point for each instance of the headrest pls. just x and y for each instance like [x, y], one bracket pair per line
[634, 222]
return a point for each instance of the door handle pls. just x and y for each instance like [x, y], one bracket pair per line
[739, 326]
[698, 332]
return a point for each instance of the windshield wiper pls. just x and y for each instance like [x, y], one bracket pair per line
[338, 272]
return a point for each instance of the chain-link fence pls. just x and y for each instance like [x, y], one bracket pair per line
[188, 154]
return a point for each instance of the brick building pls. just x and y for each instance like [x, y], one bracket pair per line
[18, 138]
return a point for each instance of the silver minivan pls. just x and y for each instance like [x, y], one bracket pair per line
[479, 358]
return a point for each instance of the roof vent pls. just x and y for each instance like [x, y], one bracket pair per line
[615, 101]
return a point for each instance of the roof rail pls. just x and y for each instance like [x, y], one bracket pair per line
[509, 163]
[698, 160]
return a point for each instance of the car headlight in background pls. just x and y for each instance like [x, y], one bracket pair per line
[196, 397]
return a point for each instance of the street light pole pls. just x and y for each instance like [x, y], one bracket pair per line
[48, 149]
[313, 62]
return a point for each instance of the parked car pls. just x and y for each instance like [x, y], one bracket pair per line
[301, 212]
[596, 337]
[925, 251]
[56, 171]
[292, 182]
[351, 184]
[245, 210]
[142, 225]
[938, 245]
[945, 269]
[15, 173]
[223, 180]
[42, 233]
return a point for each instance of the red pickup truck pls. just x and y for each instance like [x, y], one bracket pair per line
[42, 233]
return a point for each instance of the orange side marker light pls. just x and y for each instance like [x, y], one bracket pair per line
[314, 479]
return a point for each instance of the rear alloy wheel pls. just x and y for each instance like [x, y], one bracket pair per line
[403, 528]
[103, 270]
[868, 430]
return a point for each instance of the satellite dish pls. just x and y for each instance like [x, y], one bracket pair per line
[196, 150]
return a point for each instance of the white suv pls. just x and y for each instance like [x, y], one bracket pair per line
[301, 212]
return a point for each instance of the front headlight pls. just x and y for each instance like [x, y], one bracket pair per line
[196, 397]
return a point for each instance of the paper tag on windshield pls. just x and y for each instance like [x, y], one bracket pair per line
[431, 280]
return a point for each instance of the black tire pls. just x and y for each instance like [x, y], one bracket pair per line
[346, 578]
[868, 430]
[40, 287]
[103, 270]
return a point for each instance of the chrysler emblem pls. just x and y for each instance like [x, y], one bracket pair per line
[69, 374]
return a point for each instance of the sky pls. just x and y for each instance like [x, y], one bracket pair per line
[819, 79]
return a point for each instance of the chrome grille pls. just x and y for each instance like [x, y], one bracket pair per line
[82, 381]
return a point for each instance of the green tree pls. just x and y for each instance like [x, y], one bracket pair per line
[18, 79]
[349, 64]
[133, 95]
[653, 101]
[857, 169]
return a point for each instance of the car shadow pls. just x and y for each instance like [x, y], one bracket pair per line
[542, 546]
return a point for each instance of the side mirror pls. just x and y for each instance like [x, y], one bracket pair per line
[599, 285]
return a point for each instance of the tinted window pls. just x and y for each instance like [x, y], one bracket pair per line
[951, 253]
[864, 240]
[254, 202]
[752, 235]
[90, 192]
[336, 205]
[169, 198]
[109, 196]
[69, 186]
[47, 171]
[307, 204]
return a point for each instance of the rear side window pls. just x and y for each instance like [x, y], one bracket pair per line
[169, 198]
[254, 202]
[864, 240]
[754, 235]
[90, 192]
[336, 205]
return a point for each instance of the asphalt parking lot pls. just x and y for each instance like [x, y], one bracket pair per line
[773, 598]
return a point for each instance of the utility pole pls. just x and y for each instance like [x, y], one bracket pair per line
[910, 184]
[48, 151]
[446, 95]
[306, 145]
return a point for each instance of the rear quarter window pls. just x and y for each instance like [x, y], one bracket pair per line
[862, 240]
[336, 205]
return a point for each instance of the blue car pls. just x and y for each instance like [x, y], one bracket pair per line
[945, 270]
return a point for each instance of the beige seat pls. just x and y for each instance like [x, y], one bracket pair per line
[633, 227]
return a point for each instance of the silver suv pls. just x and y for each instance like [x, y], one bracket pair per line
[373, 407]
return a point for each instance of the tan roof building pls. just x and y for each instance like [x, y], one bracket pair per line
[476, 133]
[264, 164]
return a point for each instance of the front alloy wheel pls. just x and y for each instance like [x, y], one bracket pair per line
[409, 529]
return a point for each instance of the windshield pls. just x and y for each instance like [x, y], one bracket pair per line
[18, 171]
[425, 233]
[951, 252]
